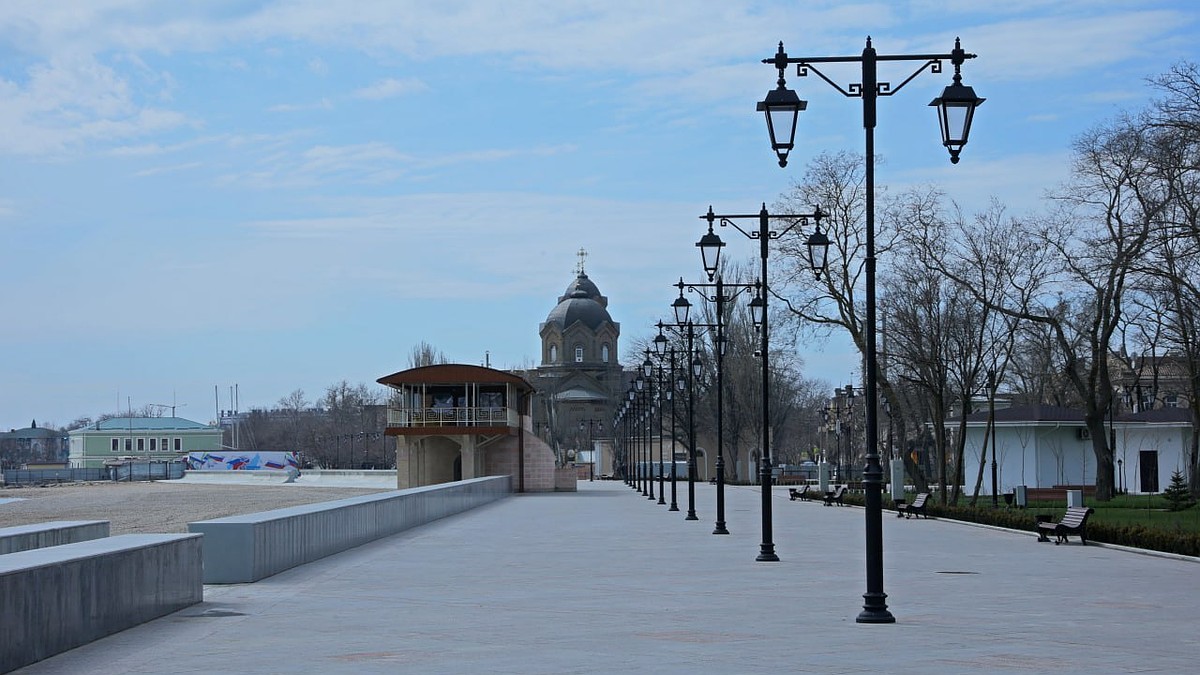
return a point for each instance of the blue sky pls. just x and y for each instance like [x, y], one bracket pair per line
[284, 194]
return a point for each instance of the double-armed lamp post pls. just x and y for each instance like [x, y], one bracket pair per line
[686, 330]
[719, 298]
[956, 109]
[710, 246]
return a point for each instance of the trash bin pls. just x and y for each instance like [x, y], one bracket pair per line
[1021, 496]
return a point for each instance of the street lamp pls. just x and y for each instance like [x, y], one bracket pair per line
[646, 386]
[669, 390]
[590, 425]
[634, 458]
[956, 109]
[687, 329]
[720, 297]
[710, 246]
[991, 375]
[664, 395]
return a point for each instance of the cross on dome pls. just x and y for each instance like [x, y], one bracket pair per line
[582, 256]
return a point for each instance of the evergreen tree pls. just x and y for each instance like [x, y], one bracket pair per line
[1177, 495]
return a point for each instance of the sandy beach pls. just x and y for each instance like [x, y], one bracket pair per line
[159, 506]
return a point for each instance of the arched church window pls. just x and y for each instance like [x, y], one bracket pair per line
[578, 354]
[553, 353]
[604, 353]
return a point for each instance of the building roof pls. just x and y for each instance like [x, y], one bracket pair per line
[579, 394]
[1158, 416]
[145, 424]
[583, 284]
[1025, 414]
[31, 433]
[1051, 414]
[579, 308]
[454, 373]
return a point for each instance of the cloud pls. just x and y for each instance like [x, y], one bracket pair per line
[61, 105]
[323, 104]
[390, 88]
[174, 168]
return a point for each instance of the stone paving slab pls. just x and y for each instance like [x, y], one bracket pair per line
[606, 581]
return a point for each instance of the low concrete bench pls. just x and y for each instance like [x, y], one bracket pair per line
[58, 598]
[53, 533]
[246, 548]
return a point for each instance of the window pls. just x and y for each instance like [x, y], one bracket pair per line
[579, 355]
[178, 445]
[164, 444]
[1171, 401]
[141, 443]
[604, 353]
[128, 445]
[153, 444]
[553, 353]
[116, 445]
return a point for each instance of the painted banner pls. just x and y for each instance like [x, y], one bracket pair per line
[233, 460]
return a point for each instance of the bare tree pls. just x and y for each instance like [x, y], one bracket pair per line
[425, 354]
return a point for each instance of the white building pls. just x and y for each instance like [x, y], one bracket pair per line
[1041, 446]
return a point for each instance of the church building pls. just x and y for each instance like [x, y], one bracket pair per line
[579, 381]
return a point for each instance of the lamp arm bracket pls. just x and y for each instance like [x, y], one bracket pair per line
[854, 91]
[886, 89]
[750, 234]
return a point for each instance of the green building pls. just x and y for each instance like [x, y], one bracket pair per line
[143, 438]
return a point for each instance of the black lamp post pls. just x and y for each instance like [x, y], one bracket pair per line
[645, 390]
[991, 374]
[618, 435]
[710, 246]
[634, 457]
[687, 330]
[664, 394]
[956, 109]
[589, 425]
[671, 387]
[720, 297]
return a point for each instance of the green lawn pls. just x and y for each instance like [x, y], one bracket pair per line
[1148, 511]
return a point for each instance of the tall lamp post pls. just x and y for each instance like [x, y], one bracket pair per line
[710, 246]
[660, 348]
[719, 298]
[687, 330]
[991, 375]
[956, 108]
[645, 392]
[589, 425]
[649, 368]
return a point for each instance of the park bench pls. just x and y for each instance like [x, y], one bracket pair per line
[1074, 521]
[917, 506]
[835, 496]
[801, 494]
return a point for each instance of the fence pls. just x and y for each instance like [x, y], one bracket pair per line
[121, 472]
[43, 476]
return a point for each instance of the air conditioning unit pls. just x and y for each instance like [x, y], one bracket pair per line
[1084, 433]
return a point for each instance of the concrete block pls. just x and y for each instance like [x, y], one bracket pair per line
[52, 533]
[246, 548]
[55, 599]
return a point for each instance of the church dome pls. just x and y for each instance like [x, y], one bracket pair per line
[582, 284]
[578, 306]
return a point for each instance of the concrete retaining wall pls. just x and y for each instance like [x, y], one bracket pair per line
[55, 599]
[243, 549]
[53, 533]
[383, 479]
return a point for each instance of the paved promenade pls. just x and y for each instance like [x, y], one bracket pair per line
[606, 581]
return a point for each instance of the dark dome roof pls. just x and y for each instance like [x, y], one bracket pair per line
[579, 307]
[583, 287]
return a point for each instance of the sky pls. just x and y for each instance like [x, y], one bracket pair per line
[282, 194]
